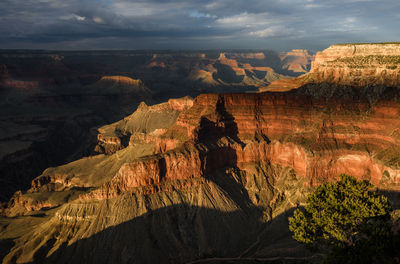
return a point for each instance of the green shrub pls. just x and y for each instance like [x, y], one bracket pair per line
[349, 220]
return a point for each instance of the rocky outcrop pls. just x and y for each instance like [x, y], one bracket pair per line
[146, 124]
[354, 65]
[297, 60]
[122, 80]
[358, 65]
[119, 85]
[21, 204]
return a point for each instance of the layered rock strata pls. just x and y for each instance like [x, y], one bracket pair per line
[355, 65]
[146, 124]
[358, 65]
[251, 154]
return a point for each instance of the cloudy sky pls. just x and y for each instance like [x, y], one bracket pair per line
[195, 24]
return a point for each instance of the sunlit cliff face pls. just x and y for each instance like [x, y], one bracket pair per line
[356, 65]
[359, 65]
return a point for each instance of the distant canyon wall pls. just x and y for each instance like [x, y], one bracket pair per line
[358, 65]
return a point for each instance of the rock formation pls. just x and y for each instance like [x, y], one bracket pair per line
[256, 139]
[297, 60]
[119, 85]
[116, 136]
[358, 65]
[50, 100]
[355, 65]
[213, 177]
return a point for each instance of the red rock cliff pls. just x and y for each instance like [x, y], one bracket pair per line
[318, 139]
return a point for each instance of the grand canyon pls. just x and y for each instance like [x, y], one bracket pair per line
[189, 157]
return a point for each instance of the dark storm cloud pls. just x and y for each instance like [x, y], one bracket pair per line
[283, 24]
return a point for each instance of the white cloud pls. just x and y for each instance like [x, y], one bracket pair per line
[213, 5]
[197, 14]
[313, 6]
[356, 1]
[272, 31]
[73, 17]
[132, 9]
[350, 24]
[79, 18]
[98, 20]
[351, 19]
[245, 20]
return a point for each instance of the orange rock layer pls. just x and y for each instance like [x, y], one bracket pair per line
[318, 139]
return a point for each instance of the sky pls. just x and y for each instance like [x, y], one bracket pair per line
[195, 24]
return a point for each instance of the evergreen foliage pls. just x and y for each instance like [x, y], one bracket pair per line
[348, 219]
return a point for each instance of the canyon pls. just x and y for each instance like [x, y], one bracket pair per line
[51, 100]
[213, 177]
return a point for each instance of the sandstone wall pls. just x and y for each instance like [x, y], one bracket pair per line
[358, 65]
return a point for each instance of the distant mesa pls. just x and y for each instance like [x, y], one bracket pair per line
[224, 60]
[204, 76]
[355, 65]
[121, 80]
[358, 65]
[119, 85]
[297, 60]
[245, 69]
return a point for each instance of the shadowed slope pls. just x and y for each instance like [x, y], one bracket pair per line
[182, 233]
